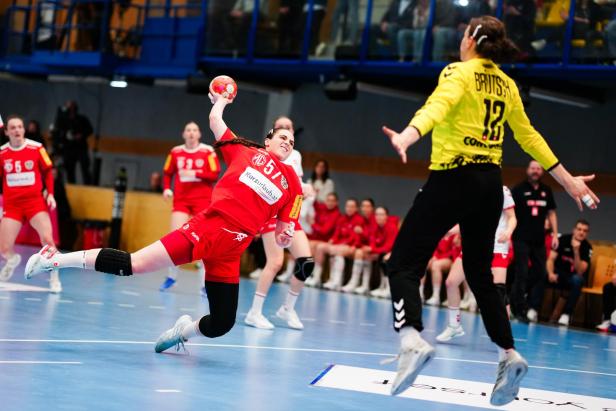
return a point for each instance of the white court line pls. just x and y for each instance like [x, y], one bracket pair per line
[96, 303]
[32, 299]
[188, 310]
[520, 339]
[130, 293]
[4, 297]
[65, 301]
[367, 324]
[259, 347]
[127, 305]
[337, 322]
[548, 343]
[157, 307]
[42, 362]
[309, 319]
[610, 350]
[584, 347]
[168, 391]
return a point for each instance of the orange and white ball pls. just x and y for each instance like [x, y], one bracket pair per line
[224, 86]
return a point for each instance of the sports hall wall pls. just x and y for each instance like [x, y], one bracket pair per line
[152, 117]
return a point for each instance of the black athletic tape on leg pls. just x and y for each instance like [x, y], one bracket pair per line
[303, 268]
[113, 261]
[502, 293]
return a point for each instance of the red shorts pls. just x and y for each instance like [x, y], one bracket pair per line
[23, 211]
[442, 256]
[191, 207]
[270, 226]
[501, 260]
[209, 237]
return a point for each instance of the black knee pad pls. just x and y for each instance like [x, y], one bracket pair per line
[303, 268]
[502, 293]
[213, 327]
[113, 261]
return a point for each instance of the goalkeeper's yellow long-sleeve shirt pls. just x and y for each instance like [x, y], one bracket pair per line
[467, 113]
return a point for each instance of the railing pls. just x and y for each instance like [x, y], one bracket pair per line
[250, 30]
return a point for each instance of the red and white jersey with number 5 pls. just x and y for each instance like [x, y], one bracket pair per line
[256, 187]
[25, 171]
[202, 160]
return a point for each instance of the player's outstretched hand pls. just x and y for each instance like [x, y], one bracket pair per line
[576, 187]
[402, 141]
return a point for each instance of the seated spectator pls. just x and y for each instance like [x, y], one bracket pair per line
[325, 218]
[440, 263]
[380, 243]
[567, 266]
[320, 181]
[156, 182]
[399, 15]
[33, 132]
[365, 233]
[411, 40]
[444, 31]
[609, 303]
[219, 28]
[343, 244]
[289, 24]
[519, 19]
[319, 9]
[347, 10]
[586, 16]
[609, 32]
[240, 17]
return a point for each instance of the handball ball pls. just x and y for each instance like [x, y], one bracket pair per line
[224, 86]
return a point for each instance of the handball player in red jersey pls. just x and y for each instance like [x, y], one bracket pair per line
[25, 170]
[194, 168]
[256, 187]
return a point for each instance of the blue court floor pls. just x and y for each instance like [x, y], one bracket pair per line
[91, 348]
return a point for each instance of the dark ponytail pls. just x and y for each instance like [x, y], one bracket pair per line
[238, 140]
[491, 39]
[248, 143]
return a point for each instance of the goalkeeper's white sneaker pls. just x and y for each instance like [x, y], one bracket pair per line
[508, 376]
[40, 262]
[9, 268]
[411, 360]
[450, 333]
[173, 336]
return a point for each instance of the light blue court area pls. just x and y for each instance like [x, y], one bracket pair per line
[91, 348]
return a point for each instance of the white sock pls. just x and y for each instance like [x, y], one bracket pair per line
[291, 299]
[337, 267]
[454, 317]
[172, 273]
[358, 266]
[436, 291]
[503, 354]
[54, 275]
[316, 273]
[408, 336]
[191, 330]
[79, 259]
[366, 273]
[257, 303]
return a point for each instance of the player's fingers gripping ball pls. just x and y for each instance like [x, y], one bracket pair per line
[224, 86]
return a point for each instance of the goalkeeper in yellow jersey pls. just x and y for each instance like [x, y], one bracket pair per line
[466, 113]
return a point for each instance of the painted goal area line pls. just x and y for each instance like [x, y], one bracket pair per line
[452, 391]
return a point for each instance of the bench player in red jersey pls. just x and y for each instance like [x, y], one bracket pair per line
[255, 187]
[194, 168]
[25, 170]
